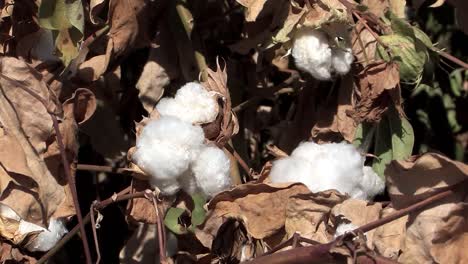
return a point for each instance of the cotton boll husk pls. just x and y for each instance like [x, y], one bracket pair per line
[341, 60]
[165, 147]
[343, 228]
[211, 170]
[312, 53]
[192, 103]
[290, 170]
[47, 238]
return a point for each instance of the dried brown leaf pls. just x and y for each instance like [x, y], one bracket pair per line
[359, 212]
[439, 233]
[253, 8]
[260, 207]
[378, 88]
[334, 117]
[158, 70]
[389, 239]
[307, 215]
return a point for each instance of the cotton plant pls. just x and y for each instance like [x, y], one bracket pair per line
[337, 166]
[323, 52]
[173, 151]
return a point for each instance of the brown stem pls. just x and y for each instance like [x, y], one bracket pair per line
[451, 58]
[93, 227]
[66, 164]
[238, 158]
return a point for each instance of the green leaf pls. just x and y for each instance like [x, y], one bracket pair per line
[66, 19]
[172, 220]
[198, 213]
[394, 140]
[411, 55]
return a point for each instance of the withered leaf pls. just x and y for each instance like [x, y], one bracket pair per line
[307, 215]
[389, 239]
[260, 207]
[378, 87]
[334, 118]
[439, 233]
[254, 7]
[28, 186]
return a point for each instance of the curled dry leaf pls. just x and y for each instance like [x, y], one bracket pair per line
[226, 125]
[439, 233]
[253, 8]
[359, 213]
[336, 120]
[378, 88]
[260, 207]
[32, 180]
[158, 70]
[307, 215]
[389, 239]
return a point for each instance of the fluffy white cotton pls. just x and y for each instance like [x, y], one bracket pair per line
[323, 167]
[166, 147]
[192, 103]
[47, 238]
[313, 53]
[211, 171]
[341, 60]
[344, 228]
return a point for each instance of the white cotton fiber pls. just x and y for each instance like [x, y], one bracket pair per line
[47, 238]
[342, 59]
[211, 171]
[323, 167]
[313, 53]
[165, 147]
[344, 228]
[192, 103]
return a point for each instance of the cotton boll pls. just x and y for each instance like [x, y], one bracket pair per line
[341, 60]
[290, 170]
[167, 187]
[312, 53]
[47, 238]
[344, 228]
[188, 183]
[323, 167]
[192, 103]
[371, 183]
[211, 171]
[165, 147]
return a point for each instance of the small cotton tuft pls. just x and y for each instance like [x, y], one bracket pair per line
[211, 171]
[165, 147]
[192, 103]
[313, 53]
[344, 228]
[323, 167]
[47, 238]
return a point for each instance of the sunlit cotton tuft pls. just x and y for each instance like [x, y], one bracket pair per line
[211, 170]
[47, 238]
[192, 103]
[314, 53]
[166, 147]
[323, 167]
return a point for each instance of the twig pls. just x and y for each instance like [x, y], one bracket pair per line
[93, 227]
[66, 164]
[101, 168]
[160, 227]
[239, 159]
[451, 58]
